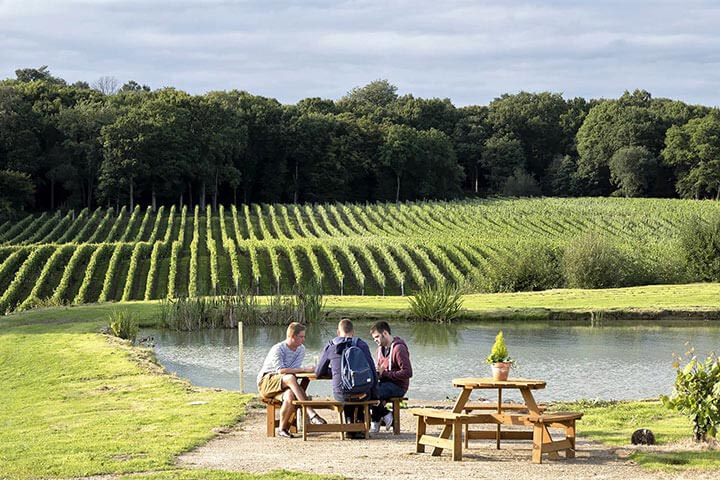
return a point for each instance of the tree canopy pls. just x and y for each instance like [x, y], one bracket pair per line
[83, 146]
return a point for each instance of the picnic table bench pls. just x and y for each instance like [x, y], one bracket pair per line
[453, 421]
[341, 427]
[542, 440]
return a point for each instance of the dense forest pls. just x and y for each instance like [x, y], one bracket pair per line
[75, 146]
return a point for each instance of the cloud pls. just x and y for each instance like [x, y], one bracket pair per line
[468, 51]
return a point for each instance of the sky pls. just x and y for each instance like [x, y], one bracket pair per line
[468, 51]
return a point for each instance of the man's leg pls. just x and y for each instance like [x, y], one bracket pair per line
[386, 390]
[290, 381]
[286, 409]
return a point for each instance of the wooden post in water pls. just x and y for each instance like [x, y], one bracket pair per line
[240, 353]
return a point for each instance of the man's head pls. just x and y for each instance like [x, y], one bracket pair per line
[345, 328]
[381, 334]
[295, 334]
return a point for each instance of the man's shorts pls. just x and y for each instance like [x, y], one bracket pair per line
[271, 385]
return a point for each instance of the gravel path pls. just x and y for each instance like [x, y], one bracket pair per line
[246, 448]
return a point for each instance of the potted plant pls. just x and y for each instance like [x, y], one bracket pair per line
[499, 359]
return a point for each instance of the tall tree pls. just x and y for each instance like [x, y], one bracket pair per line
[221, 137]
[632, 169]
[502, 155]
[81, 125]
[612, 125]
[694, 151]
[470, 133]
[400, 152]
[535, 121]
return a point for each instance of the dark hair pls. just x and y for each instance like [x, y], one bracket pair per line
[346, 325]
[380, 327]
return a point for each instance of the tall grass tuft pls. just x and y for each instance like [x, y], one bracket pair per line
[123, 324]
[441, 303]
[309, 303]
[225, 311]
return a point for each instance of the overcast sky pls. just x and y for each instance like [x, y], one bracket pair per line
[469, 51]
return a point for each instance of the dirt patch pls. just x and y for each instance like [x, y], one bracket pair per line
[383, 456]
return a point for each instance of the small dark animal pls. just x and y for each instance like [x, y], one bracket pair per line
[643, 436]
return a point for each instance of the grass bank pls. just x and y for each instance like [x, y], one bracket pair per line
[78, 403]
[696, 301]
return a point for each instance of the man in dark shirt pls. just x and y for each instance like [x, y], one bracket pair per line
[394, 369]
[330, 364]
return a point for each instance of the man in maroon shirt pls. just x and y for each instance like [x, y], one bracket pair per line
[394, 369]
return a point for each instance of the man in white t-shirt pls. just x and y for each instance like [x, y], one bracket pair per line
[277, 379]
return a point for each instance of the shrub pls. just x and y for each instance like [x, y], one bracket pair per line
[441, 303]
[124, 325]
[696, 393]
[700, 240]
[530, 267]
[593, 261]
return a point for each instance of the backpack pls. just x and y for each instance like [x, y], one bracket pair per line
[357, 374]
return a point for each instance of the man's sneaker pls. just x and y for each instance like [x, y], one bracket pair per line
[388, 419]
[374, 427]
[284, 433]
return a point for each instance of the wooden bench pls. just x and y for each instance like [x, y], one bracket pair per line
[542, 440]
[395, 401]
[498, 434]
[452, 427]
[341, 426]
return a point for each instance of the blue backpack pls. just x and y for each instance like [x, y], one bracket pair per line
[357, 374]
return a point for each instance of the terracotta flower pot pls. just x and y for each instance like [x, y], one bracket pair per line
[501, 370]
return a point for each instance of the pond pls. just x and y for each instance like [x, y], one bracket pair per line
[611, 362]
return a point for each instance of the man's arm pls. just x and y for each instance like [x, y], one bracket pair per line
[285, 369]
[404, 372]
[322, 369]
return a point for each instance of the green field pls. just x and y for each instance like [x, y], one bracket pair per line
[375, 249]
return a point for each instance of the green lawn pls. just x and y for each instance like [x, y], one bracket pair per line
[78, 403]
[614, 422]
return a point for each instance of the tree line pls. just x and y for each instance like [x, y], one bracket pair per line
[70, 146]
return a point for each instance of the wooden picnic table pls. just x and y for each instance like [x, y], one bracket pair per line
[531, 415]
[525, 385]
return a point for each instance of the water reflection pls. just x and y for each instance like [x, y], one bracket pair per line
[610, 362]
[439, 335]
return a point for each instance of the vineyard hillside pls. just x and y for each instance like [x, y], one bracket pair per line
[375, 249]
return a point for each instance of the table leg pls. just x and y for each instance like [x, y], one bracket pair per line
[499, 410]
[457, 408]
[341, 419]
[457, 441]
[304, 422]
[421, 428]
[530, 401]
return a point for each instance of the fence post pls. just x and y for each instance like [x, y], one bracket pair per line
[240, 353]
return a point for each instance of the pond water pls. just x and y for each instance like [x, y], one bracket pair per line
[612, 362]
